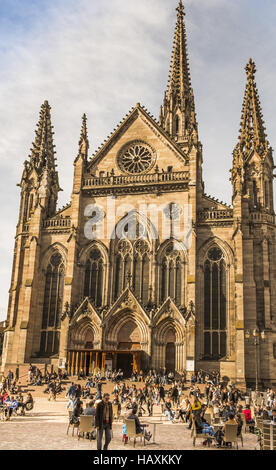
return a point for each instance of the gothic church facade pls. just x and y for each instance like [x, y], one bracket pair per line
[137, 299]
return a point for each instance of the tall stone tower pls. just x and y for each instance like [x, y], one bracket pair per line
[253, 202]
[39, 192]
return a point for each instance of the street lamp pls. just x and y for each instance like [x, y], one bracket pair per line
[256, 336]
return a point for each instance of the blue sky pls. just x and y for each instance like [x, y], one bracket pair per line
[102, 57]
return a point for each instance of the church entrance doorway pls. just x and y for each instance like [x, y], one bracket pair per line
[170, 350]
[90, 362]
[170, 357]
[125, 363]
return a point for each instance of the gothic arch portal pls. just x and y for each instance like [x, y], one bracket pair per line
[170, 329]
[123, 322]
[83, 335]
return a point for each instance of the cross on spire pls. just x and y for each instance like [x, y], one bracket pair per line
[180, 8]
[251, 69]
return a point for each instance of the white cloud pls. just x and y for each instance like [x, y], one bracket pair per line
[101, 57]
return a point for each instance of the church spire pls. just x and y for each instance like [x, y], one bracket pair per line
[84, 142]
[252, 129]
[179, 80]
[252, 171]
[178, 110]
[42, 151]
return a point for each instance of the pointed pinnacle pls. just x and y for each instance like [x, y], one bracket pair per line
[252, 128]
[84, 142]
[180, 8]
[251, 69]
[42, 150]
[84, 126]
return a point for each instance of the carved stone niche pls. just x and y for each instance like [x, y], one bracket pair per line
[170, 313]
[128, 302]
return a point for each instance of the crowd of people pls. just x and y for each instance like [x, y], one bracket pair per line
[12, 400]
[180, 400]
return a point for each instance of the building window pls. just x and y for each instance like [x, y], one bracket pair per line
[1, 342]
[132, 267]
[52, 307]
[94, 276]
[171, 279]
[267, 196]
[141, 271]
[274, 350]
[214, 305]
[255, 194]
[177, 125]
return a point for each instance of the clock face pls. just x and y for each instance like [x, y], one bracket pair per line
[136, 158]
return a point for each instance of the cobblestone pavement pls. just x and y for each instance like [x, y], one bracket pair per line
[45, 429]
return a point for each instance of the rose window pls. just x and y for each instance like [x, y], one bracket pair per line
[136, 158]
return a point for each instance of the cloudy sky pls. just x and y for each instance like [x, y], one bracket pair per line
[102, 57]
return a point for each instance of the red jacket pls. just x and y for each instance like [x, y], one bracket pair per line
[247, 414]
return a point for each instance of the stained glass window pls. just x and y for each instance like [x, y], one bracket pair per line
[170, 274]
[214, 305]
[93, 282]
[136, 158]
[52, 306]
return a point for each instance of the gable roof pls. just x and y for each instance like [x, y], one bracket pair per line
[130, 117]
[129, 300]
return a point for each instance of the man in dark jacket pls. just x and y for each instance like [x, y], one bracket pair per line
[140, 428]
[103, 421]
[99, 390]
[162, 393]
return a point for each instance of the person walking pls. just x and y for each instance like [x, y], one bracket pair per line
[99, 390]
[162, 396]
[10, 377]
[71, 394]
[52, 390]
[103, 421]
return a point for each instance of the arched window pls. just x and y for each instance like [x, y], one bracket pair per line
[1, 342]
[177, 126]
[52, 307]
[171, 279]
[127, 271]
[132, 266]
[118, 276]
[164, 281]
[141, 271]
[137, 275]
[255, 194]
[214, 305]
[94, 275]
[26, 206]
[267, 196]
[145, 280]
[177, 294]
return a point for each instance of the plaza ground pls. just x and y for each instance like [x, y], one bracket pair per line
[45, 428]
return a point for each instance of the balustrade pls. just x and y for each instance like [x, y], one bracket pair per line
[124, 180]
[57, 223]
